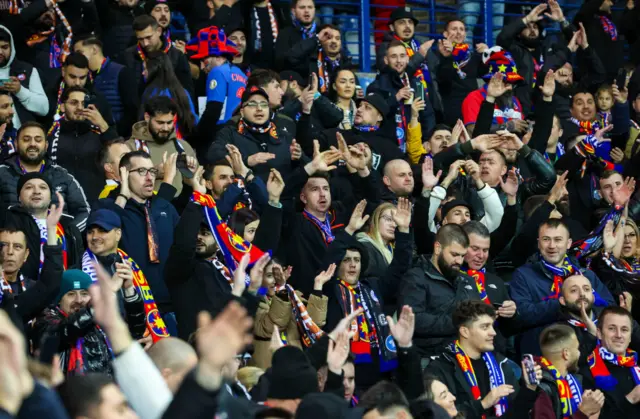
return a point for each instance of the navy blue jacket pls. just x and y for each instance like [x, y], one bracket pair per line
[529, 286]
[134, 240]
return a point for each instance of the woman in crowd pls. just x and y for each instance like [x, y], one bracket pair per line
[437, 392]
[245, 222]
[378, 239]
[161, 80]
[285, 311]
[342, 93]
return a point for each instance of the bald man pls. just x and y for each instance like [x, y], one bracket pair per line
[174, 358]
[578, 310]
[398, 179]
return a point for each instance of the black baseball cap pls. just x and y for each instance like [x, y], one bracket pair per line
[455, 203]
[254, 90]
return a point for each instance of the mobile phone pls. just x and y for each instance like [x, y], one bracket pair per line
[88, 100]
[621, 78]
[419, 91]
[181, 165]
[310, 81]
[529, 368]
[496, 305]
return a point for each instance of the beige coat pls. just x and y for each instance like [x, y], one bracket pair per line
[141, 132]
[277, 312]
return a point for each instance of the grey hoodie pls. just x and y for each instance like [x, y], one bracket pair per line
[33, 98]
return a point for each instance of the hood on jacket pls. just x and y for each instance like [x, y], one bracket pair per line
[141, 131]
[4, 70]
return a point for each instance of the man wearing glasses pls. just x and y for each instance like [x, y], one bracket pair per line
[148, 222]
[264, 144]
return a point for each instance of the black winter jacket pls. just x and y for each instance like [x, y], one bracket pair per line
[19, 218]
[447, 370]
[75, 200]
[66, 329]
[194, 283]
[303, 58]
[433, 299]
[116, 25]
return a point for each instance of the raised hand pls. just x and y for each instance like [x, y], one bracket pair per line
[445, 47]
[496, 86]
[621, 95]
[295, 150]
[586, 318]
[622, 195]
[510, 186]
[240, 276]
[582, 37]
[592, 402]
[402, 215]
[275, 343]
[535, 15]
[481, 47]
[510, 141]
[235, 160]
[558, 189]
[429, 180]
[617, 155]
[351, 155]
[257, 272]
[600, 134]
[555, 11]
[196, 182]
[358, 219]
[626, 301]
[609, 236]
[55, 212]
[496, 394]
[169, 169]
[281, 275]
[324, 277]
[417, 106]
[402, 331]
[548, 88]
[452, 174]
[322, 162]
[338, 352]
[486, 142]
[573, 43]
[259, 158]
[124, 182]
[275, 186]
[425, 47]
[404, 94]
[345, 324]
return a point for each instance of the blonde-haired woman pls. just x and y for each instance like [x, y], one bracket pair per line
[379, 238]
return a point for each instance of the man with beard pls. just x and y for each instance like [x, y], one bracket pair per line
[612, 366]
[8, 137]
[116, 20]
[238, 36]
[21, 81]
[112, 80]
[471, 366]
[77, 139]
[321, 54]
[160, 10]
[156, 136]
[148, 222]
[525, 40]
[433, 288]
[81, 341]
[75, 73]
[30, 217]
[458, 69]
[537, 285]
[151, 41]
[303, 13]
[399, 87]
[196, 277]
[501, 78]
[561, 394]
[31, 145]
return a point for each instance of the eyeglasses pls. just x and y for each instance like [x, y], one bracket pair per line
[142, 171]
[387, 218]
[254, 104]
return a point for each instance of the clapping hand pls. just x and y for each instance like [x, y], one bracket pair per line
[324, 277]
[235, 160]
[322, 161]
[358, 219]
[510, 186]
[295, 150]
[351, 155]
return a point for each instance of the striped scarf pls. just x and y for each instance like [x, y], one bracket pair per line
[155, 325]
[57, 54]
[326, 67]
[496, 376]
[272, 22]
[306, 32]
[309, 330]
[5, 287]
[479, 279]
[461, 56]
[569, 389]
[594, 241]
[603, 378]
[61, 240]
[560, 273]
[422, 73]
[609, 27]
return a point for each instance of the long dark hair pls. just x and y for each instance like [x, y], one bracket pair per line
[161, 76]
[240, 218]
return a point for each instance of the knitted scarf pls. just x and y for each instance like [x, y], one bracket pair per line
[308, 329]
[609, 27]
[257, 41]
[306, 32]
[155, 325]
[569, 389]
[603, 378]
[143, 55]
[579, 324]
[401, 117]
[370, 333]
[5, 287]
[496, 377]
[478, 278]
[586, 127]
[7, 143]
[16, 6]
[461, 56]
[141, 145]
[422, 74]
[75, 354]
[61, 240]
[626, 266]
[326, 67]
[269, 127]
[57, 54]
[366, 128]
[325, 226]
[560, 273]
[594, 241]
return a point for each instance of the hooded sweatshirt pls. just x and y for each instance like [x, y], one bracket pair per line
[141, 139]
[31, 96]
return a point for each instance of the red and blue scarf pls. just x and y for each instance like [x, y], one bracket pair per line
[496, 376]
[461, 55]
[479, 279]
[569, 389]
[325, 227]
[603, 378]
[422, 73]
[609, 27]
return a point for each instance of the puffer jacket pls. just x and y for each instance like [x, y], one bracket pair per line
[277, 311]
[80, 329]
[75, 200]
